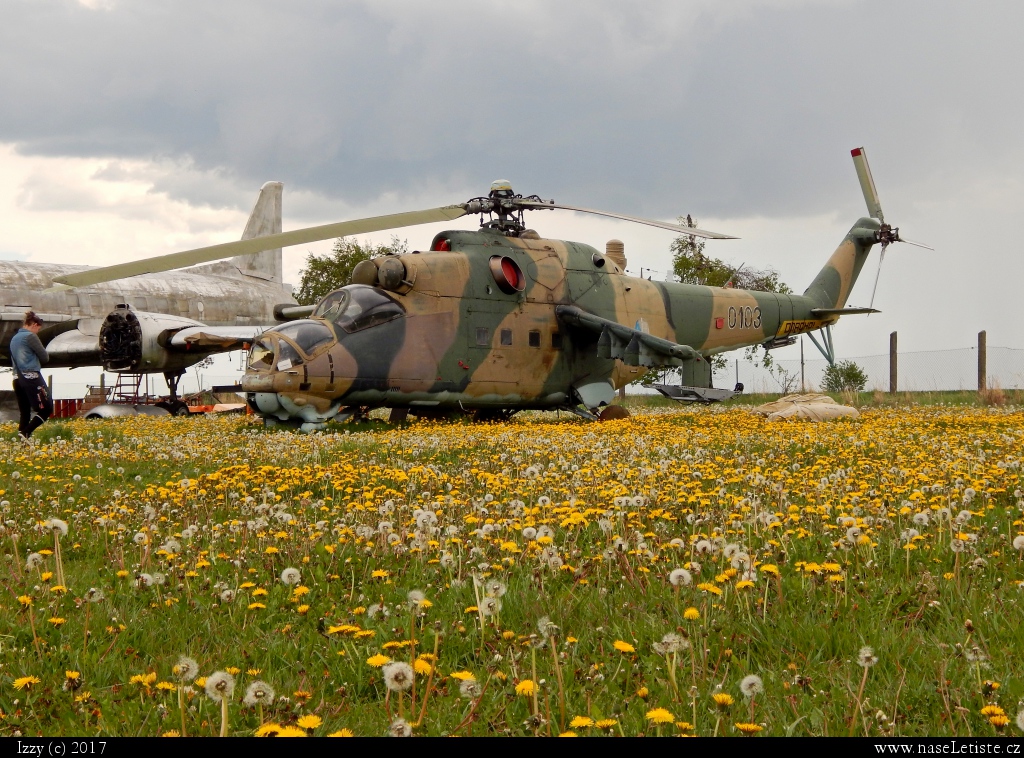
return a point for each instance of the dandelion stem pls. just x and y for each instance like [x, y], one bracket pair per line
[860, 694]
[35, 637]
[181, 708]
[223, 717]
[561, 685]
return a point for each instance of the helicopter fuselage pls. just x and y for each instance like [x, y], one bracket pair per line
[484, 321]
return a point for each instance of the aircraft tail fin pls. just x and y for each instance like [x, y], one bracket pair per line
[831, 287]
[265, 219]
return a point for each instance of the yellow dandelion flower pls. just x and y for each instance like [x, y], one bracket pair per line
[259, 592]
[342, 733]
[233, 670]
[378, 660]
[25, 600]
[291, 731]
[642, 693]
[380, 574]
[302, 610]
[623, 647]
[26, 682]
[526, 687]
[748, 729]
[605, 723]
[254, 672]
[57, 620]
[462, 675]
[999, 721]
[256, 606]
[171, 733]
[268, 730]
[166, 686]
[691, 614]
[722, 699]
[685, 726]
[568, 734]
[992, 710]
[421, 667]
[581, 722]
[660, 716]
[309, 721]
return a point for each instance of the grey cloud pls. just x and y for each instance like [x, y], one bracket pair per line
[655, 108]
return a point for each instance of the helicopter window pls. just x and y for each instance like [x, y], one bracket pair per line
[332, 305]
[287, 356]
[308, 335]
[534, 339]
[556, 340]
[506, 337]
[366, 307]
[483, 335]
[261, 356]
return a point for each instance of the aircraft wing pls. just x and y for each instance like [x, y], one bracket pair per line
[632, 346]
[72, 342]
[214, 338]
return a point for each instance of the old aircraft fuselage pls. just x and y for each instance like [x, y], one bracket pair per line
[487, 321]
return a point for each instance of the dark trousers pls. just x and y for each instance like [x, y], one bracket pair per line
[34, 403]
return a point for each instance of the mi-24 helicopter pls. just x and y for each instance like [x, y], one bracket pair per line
[499, 320]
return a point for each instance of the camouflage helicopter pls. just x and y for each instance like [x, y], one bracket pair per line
[499, 320]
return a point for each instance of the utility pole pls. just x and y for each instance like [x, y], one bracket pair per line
[982, 361]
[892, 363]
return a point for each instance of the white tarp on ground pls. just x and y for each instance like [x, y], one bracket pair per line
[809, 407]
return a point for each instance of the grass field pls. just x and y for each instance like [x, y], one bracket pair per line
[685, 571]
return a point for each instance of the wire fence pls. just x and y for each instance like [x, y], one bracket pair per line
[921, 371]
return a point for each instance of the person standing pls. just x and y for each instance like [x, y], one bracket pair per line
[27, 356]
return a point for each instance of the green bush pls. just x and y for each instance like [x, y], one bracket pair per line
[844, 376]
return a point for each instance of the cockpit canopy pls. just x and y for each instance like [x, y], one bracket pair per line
[276, 349]
[358, 306]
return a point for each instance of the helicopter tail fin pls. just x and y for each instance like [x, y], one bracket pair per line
[264, 219]
[831, 287]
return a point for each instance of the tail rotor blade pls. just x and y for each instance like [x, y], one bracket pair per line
[867, 183]
[878, 275]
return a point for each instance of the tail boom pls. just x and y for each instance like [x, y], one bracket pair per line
[832, 286]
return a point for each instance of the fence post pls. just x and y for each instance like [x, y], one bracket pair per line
[892, 363]
[982, 361]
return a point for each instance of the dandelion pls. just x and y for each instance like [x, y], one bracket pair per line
[220, 686]
[186, 669]
[309, 722]
[416, 599]
[546, 627]
[400, 728]
[26, 682]
[398, 676]
[866, 658]
[490, 606]
[748, 729]
[291, 576]
[470, 689]
[751, 685]
[680, 577]
[691, 614]
[342, 733]
[623, 647]
[34, 560]
[581, 722]
[526, 688]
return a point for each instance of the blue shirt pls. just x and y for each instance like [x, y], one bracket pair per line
[27, 352]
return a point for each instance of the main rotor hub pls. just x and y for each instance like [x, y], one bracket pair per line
[504, 208]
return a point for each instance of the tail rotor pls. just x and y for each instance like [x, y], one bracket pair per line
[886, 234]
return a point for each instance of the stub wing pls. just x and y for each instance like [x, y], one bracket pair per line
[632, 346]
[213, 339]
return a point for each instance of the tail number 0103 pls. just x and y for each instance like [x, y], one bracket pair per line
[744, 317]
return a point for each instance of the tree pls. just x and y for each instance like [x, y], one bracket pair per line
[691, 266]
[844, 376]
[326, 273]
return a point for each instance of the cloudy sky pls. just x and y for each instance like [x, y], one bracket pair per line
[130, 129]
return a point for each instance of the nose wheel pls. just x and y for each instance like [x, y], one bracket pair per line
[173, 404]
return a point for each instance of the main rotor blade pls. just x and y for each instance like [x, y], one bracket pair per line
[867, 183]
[917, 244]
[649, 222]
[878, 274]
[258, 244]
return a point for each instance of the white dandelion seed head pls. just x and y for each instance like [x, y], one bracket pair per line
[1020, 720]
[291, 576]
[186, 669]
[1018, 542]
[730, 551]
[415, 597]
[490, 606]
[740, 561]
[529, 533]
[957, 545]
[680, 577]
[672, 643]
[227, 597]
[398, 676]
[220, 685]
[546, 627]
[57, 526]
[140, 538]
[470, 689]
[751, 685]
[545, 531]
[93, 595]
[494, 588]
[400, 728]
[34, 560]
[144, 580]
[159, 579]
[258, 692]
[866, 657]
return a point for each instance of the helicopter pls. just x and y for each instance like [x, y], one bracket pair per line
[498, 320]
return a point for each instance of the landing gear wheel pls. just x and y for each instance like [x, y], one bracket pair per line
[612, 413]
[174, 407]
